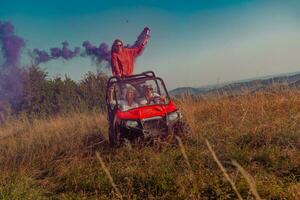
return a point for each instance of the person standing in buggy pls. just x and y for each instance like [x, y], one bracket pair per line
[123, 58]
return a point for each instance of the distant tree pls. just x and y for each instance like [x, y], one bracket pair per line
[34, 98]
[93, 88]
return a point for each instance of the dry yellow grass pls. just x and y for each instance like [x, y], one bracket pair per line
[55, 157]
[23, 141]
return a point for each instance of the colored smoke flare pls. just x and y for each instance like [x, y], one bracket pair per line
[144, 35]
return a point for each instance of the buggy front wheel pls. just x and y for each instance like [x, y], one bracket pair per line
[114, 135]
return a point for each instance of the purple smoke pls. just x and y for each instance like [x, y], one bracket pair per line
[64, 52]
[41, 56]
[101, 53]
[11, 45]
[11, 76]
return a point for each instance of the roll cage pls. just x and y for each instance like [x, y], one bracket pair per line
[144, 76]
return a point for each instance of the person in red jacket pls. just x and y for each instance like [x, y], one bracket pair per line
[122, 58]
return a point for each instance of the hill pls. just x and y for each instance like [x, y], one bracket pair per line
[54, 157]
[189, 90]
[255, 84]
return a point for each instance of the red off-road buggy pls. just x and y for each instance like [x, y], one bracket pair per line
[145, 117]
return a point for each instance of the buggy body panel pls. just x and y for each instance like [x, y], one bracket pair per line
[147, 111]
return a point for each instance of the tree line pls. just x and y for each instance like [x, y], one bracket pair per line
[43, 96]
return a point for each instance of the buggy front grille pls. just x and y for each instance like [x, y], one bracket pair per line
[154, 123]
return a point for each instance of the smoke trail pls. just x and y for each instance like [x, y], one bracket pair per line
[11, 75]
[64, 52]
[41, 56]
[11, 45]
[98, 54]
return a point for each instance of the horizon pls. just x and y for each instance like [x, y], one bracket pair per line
[191, 45]
[240, 81]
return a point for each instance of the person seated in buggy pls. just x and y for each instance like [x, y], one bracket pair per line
[110, 96]
[151, 97]
[129, 101]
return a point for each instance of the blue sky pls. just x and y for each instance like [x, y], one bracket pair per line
[193, 43]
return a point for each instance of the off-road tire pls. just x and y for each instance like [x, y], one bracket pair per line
[182, 129]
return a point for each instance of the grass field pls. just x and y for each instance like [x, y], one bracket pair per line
[55, 158]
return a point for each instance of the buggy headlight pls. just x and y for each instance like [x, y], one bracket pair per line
[131, 123]
[173, 116]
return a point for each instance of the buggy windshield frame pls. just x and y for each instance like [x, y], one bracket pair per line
[136, 80]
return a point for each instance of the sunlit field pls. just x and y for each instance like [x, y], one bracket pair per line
[254, 137]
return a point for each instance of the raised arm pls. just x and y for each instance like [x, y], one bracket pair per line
[137, 50]
[141, 42]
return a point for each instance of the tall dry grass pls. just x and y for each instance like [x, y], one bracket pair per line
[55, 158]
[26, 142]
